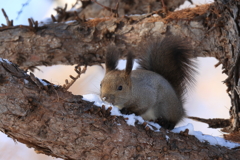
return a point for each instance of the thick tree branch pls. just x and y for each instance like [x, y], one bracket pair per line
[57, 123]
[53, 43]
[129, 7]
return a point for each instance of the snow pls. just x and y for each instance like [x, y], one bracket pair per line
[155, 15]
[43, 82]
[202, 137]
[26, 81]
[132, 119]
[167, 138]
[131, 15]
[71, 21]
[5, 60]
[156, 125]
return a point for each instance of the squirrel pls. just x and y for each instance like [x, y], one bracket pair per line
[156, 89]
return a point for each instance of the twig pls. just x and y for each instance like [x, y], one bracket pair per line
[76, 3]
[190, 1]
[33, 25]
[113, 11]
[78, 70]
[214, 122]
[216, 65]
[78, 19]
[164, 7]
[63, 14]
[53, 18]
[61, 10]
[9, 23]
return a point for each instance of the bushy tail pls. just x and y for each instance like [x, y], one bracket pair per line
[171, 58]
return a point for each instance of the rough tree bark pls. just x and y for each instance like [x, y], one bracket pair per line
[126, 7]
[57, 123]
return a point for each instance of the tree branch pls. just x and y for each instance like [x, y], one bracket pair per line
[129, 7]
[53, 43]
[213, 122]
[57, 123]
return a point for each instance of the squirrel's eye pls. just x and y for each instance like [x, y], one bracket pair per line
[101, 85]
[119, 88]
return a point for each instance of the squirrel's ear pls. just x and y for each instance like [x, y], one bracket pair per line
[111, 58]
[129, 64]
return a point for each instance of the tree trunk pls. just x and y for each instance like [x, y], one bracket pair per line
[57, 123]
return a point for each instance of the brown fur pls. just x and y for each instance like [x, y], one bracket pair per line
[170, 58]
[155, 90]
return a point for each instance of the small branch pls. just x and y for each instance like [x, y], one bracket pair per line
[80, 20]
[190, 1]
[53, 18]
[30, 23]
[73, 5]
[78, 70]
[9, 23]
[113, 11]
[62, 13]
[216, 65]
[33, 25]
[164, 7]
[234, 136]
[213, 123]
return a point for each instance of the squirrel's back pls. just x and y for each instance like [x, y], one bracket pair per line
[158, 101]
[172, 59]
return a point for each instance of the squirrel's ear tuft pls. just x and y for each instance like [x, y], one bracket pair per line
[129, 64]
[111, 58]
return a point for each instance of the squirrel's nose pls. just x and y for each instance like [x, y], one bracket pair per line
[108, 98]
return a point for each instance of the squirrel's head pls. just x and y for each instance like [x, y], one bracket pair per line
[116, 85]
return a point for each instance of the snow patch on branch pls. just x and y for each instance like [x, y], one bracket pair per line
[132, 119]
[71, 21]
[26, 81]
[5, 60]
[167, 137]
[202, 137]
[43, 82]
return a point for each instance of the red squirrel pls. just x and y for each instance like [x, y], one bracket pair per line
[156, 89]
